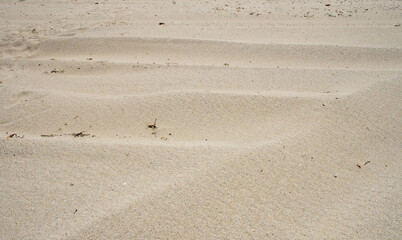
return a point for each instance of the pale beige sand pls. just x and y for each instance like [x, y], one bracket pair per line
[275, 119]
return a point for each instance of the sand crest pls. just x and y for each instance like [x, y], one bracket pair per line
[200, 119]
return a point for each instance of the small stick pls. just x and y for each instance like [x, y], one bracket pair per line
[153, 126]
[80, 134]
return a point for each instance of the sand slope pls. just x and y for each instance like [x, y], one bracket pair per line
[273, 120]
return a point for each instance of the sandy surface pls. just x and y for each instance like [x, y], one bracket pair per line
[274, 119]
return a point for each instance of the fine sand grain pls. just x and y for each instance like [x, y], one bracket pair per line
[200, 119]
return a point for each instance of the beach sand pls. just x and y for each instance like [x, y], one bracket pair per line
[200, 119]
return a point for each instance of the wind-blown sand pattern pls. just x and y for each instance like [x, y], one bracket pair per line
[200, 120]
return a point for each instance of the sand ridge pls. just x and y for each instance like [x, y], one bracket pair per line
[200, 120]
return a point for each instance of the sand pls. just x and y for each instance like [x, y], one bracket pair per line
[200, 119]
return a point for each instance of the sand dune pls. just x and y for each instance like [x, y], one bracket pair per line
[199, 120]
[218, 53]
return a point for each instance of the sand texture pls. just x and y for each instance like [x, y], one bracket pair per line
[200, 119]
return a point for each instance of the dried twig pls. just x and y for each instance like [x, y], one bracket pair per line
[80, 134]
[50, 135]
[153, 126]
